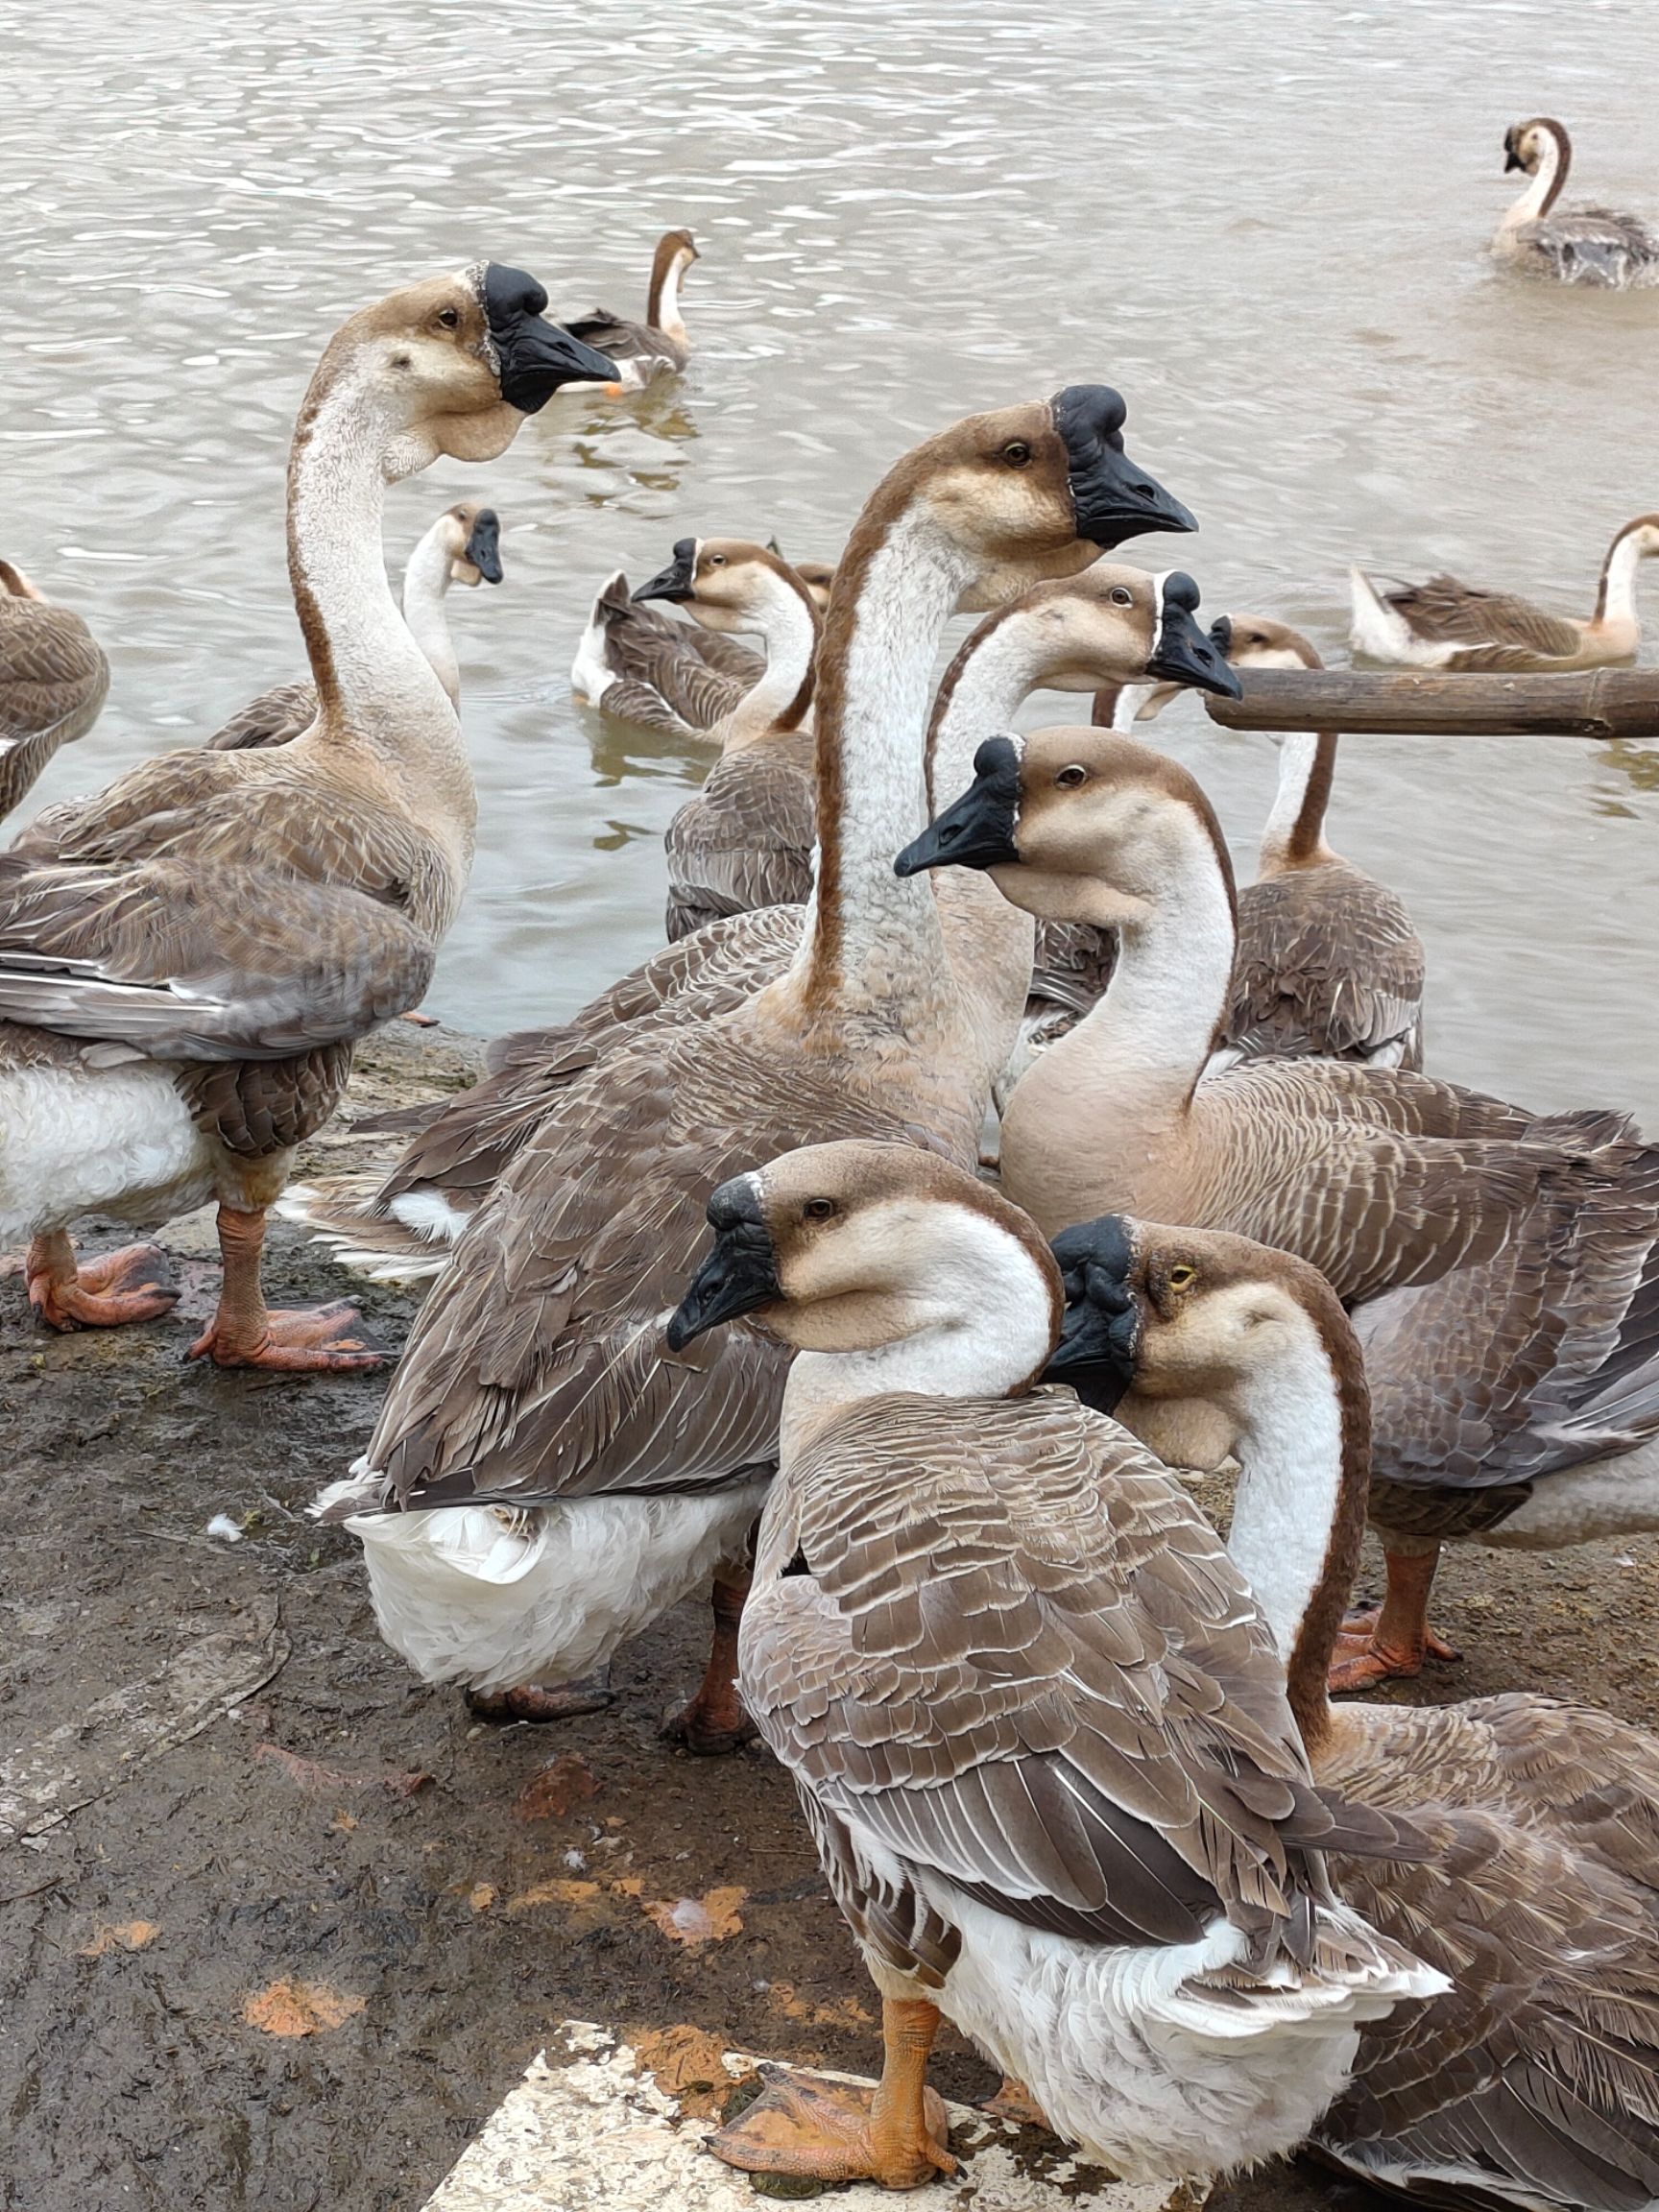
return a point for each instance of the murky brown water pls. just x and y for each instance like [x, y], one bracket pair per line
[1264, 222]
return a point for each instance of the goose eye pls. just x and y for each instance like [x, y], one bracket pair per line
[450, 318]
[1017, 453]
[716, 560]
[1122, 596]
[1181, 1277]
[1069, 778]
[819, 1210]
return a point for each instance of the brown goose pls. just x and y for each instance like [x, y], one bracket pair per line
[1521, 1247]
[1571, 245]
[543, 1480]
[53, 682]
[662, 344]
[1038, 1724]
[1446, 624]
[186, 957]
[745, 840]
[463, 546]
[1533, 2080]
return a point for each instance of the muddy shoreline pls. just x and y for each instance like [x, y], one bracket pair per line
[312, 1920]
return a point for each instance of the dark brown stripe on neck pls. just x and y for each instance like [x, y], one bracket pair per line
[1308, 830]
[795, 713]
[319, 649]
[952, 677]
[1309, 1667]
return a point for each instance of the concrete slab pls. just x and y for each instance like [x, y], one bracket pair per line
[589, 2130]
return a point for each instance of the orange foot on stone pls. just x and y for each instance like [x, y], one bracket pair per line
[133, 1285]
[1366, 1655]
[1014, 2101]
[827, 2131]
[294, 1340]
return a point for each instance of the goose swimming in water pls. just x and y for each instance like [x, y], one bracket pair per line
[1447, 624]
[188, 957]
[1570, 245]
[662, 344]
[54, 680]
[1038, 1724]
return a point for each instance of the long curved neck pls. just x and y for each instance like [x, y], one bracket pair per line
[987, 1333]
[873, 944]
[663, 300]
[425, 581]
[785, 620]
[1615, 594]
[1304, 1449]
[1294, 834]
[1544, 187]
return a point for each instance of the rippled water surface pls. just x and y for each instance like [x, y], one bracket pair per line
[1265, 222]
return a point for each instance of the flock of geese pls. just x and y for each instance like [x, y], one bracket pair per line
[1068, 1757]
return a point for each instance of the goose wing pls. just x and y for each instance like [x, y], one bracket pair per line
[746, 840]
[1594, 246]
[624, 341]
[1497, 622]
[54, 680]
[536, 1369]
[996, 1639]
[1328, 965]
[1073, 965]
[277, 717]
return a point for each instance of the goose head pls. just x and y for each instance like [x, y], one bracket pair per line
[1528, 146]
[474, 543]
[451, 366]
[818, 576]
[1076, 825]
[845, 1247]
[1036, 491]
[1642, 536]
[726, 583]
[1243, 641]
[1109, 625]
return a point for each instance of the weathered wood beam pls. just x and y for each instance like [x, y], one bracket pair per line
[1600, 702]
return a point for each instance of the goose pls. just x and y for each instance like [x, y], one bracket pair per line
[662, 344]
[543, 1480]
[1534, 2082]
[1328, 961]
[1449, 1219]
[1037, 1724]
[54, 680]
[186, 957]
[1579, 245]
[1446, 624]
[1072, 630]
[463, 546]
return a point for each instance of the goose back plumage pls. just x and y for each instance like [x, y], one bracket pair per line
[54, 679]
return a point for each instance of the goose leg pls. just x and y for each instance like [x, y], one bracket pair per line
[895, 2134]
[246, 1332]
[528, 1701]
[1394, 1639]
[133, 1285]
[714, 1720]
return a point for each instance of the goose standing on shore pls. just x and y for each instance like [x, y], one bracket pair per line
[1515, 1371]
[1446, 624]
[662, 344]
[187, 958]
[1037, 1723]
[1571, 245]
[463, 546]
[54, 680]
[544, 1481]
[1533, 2080]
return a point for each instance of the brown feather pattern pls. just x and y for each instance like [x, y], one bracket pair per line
[54, 679]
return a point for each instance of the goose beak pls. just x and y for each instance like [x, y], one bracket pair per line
[533, 356]
[484, 545]
[978, 829]
[739, 1275]
[1511, 160]
[1111, 497]
[677, 580]
[1101, 1331]
[1183, 653]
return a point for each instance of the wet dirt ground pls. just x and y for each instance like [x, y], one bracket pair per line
[312, 1920]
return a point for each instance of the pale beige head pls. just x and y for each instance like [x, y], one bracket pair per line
[850, 1246]
[1528, 146]
[1258, 642]
[725, 582]
[470, 535]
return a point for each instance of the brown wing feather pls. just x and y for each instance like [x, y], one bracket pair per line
[745, 840]
[1464, 614]
[277, 717]
[54, 679]
[1328, 965]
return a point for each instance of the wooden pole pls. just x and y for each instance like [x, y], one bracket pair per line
[1600, 702]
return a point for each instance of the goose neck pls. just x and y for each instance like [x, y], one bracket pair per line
[1304, 1449]
[663, 306]
[1544, 186]
[786, 623]
[1616, 596]
[425, 582]
[1294, 834]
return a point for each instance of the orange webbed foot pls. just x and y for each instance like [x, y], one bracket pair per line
[827, 2131]
[133, 1285]
[296, 1341]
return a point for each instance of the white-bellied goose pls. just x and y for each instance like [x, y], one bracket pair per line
[1571, 245]
[186, 957]
[53, 682]
[1038, 1724]
[1520, 1245]
[1446, 624]
[1534, 2080]
[463, 546]
[745, 839]
[662, 344]
[548, 1481]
